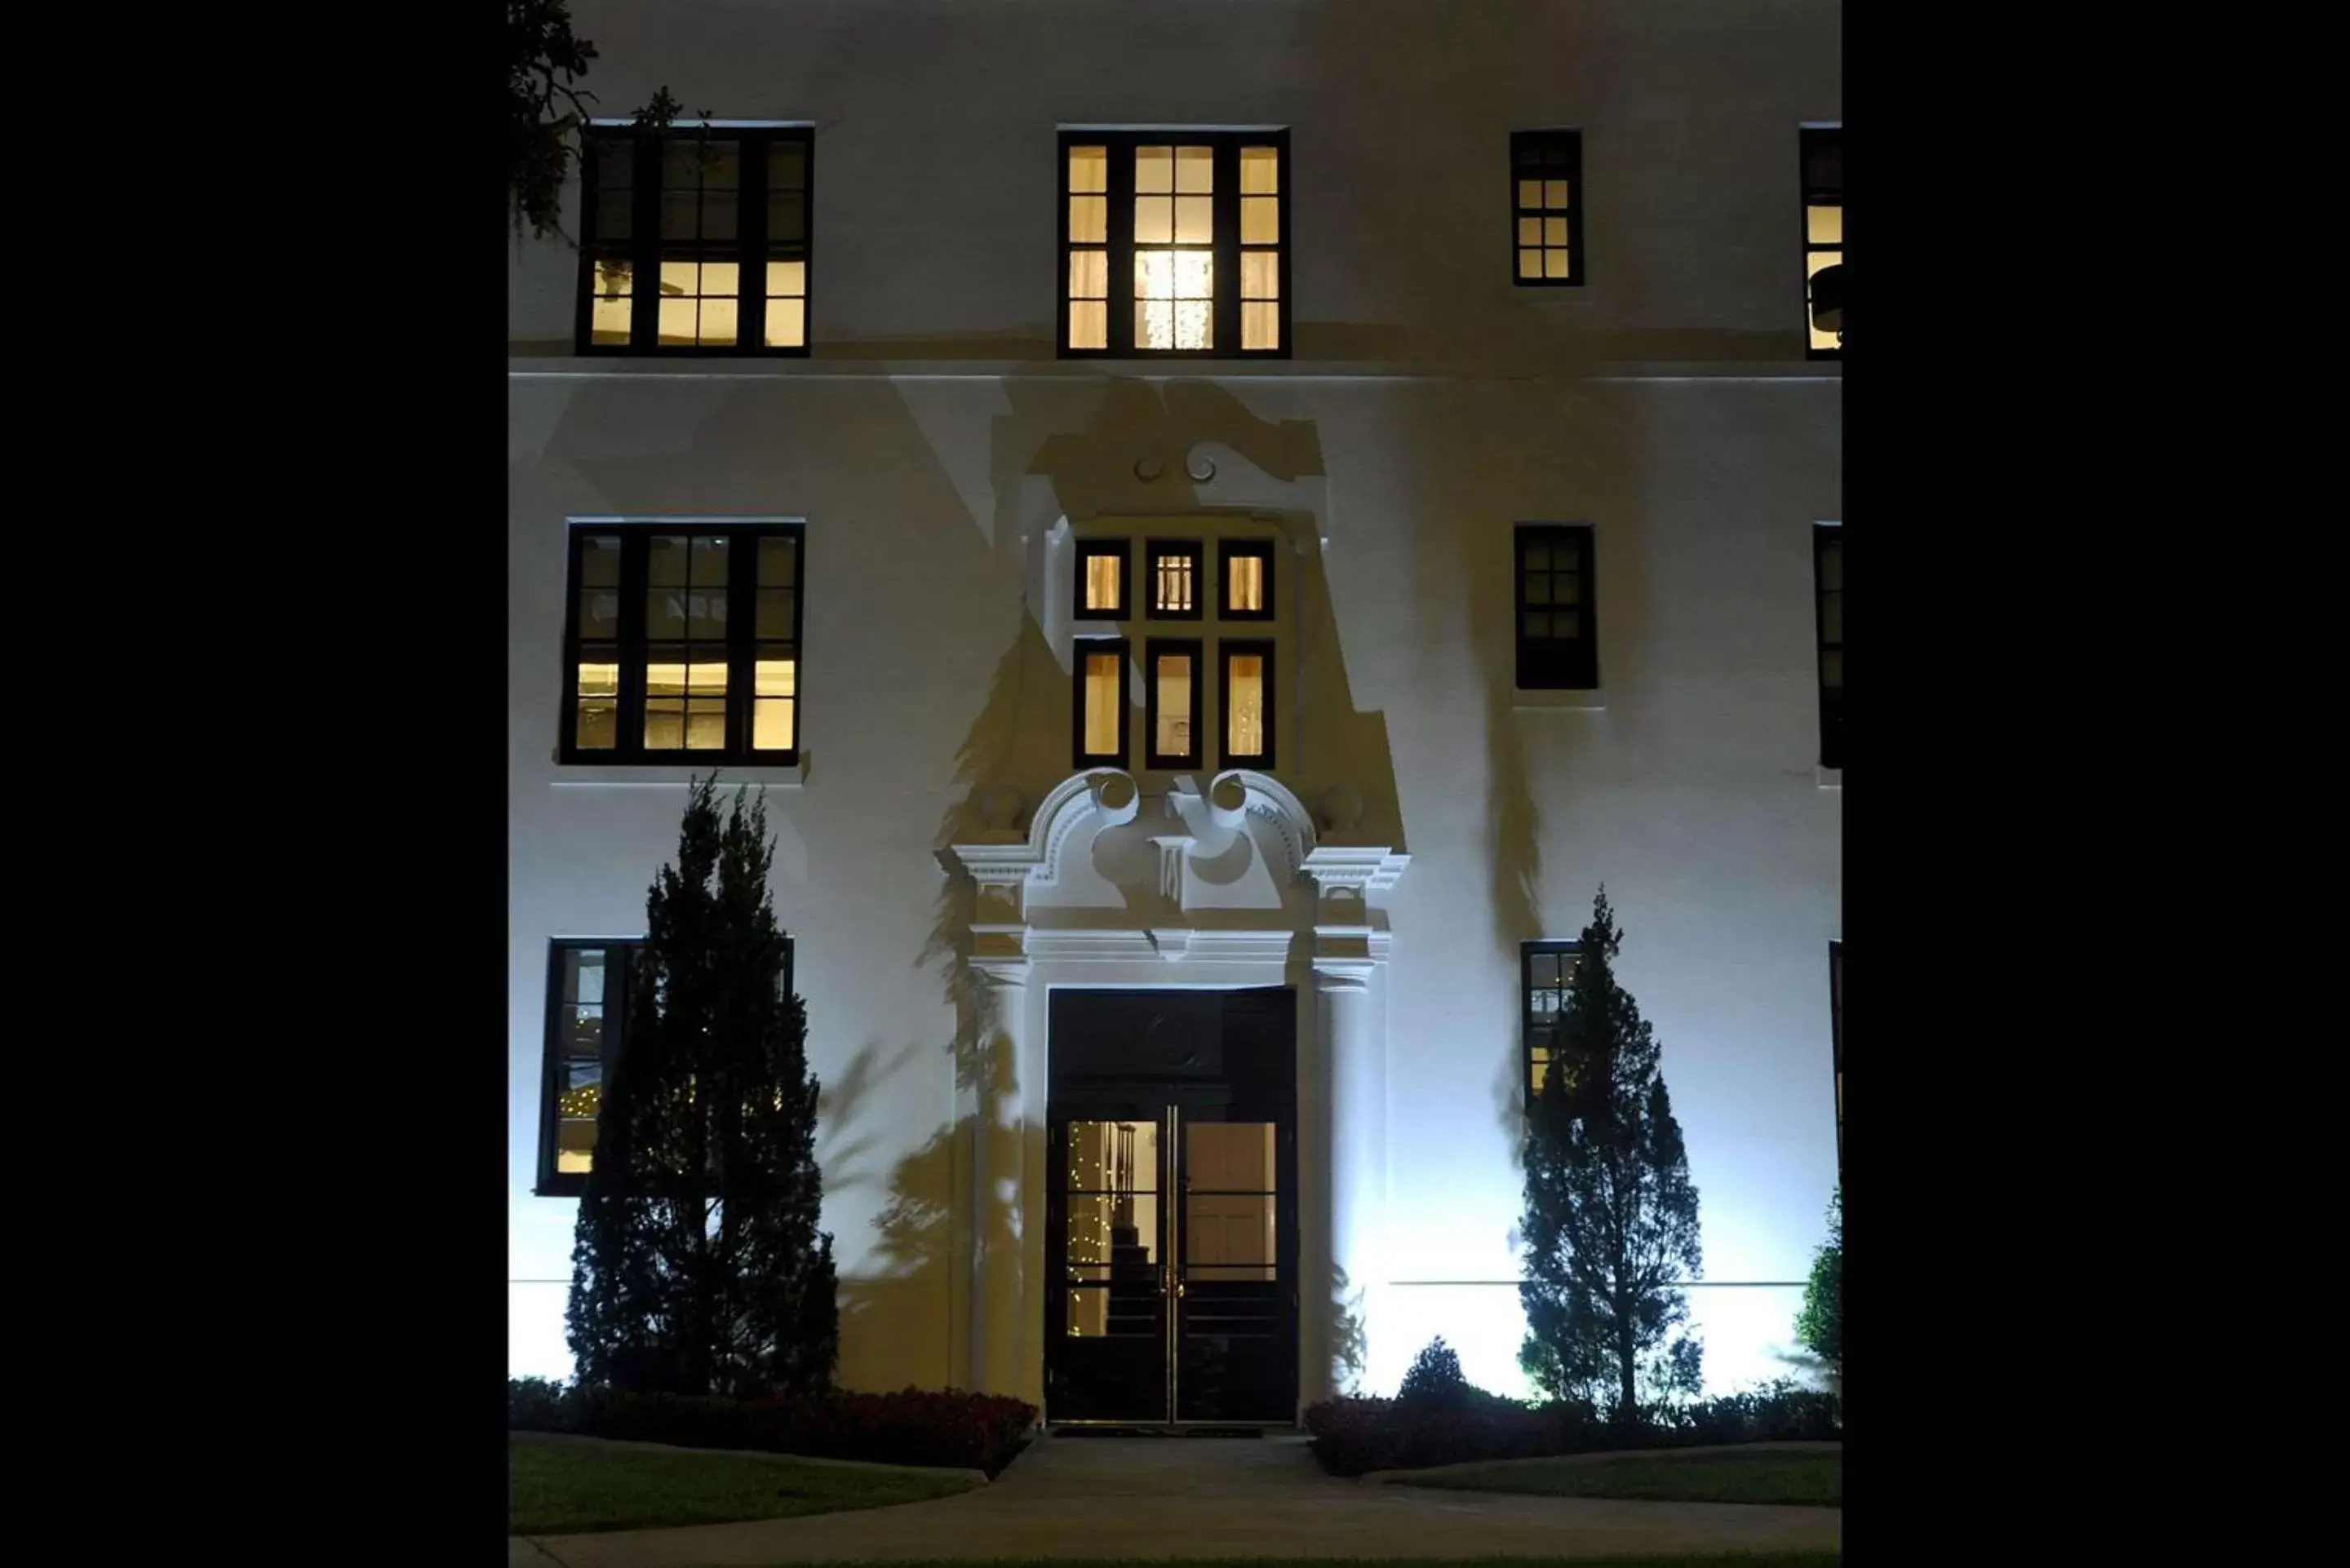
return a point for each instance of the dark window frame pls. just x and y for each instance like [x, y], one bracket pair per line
[750, 247]
[1226, 649]
[1153, 551]
[1522, 144]
[1118, 240]
[1824, 536]
[1152, 649]
[1836, 1040]
[633, 644]
[620, 977]
[1549, 663]
[1124, 649]
[1527, 951]
[1229, 550]
[1086, 550]
[1811, 137]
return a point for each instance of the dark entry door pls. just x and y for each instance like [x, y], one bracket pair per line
[1173, 1242]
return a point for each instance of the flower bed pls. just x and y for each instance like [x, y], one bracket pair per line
[915, 1426]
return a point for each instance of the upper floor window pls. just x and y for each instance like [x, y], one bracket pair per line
[1557, 633]
[1545, 969]
[1547, 180]
[1101, 579]
[696, 242]
[1246, 569]
[1175, 586]
[1245, 693]
[1827, 574]
[1822, 152]
[1174, 242]
[682, 643]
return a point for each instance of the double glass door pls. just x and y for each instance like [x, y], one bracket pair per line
[1171, 1259]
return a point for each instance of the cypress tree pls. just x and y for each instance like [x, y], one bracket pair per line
[1610, 1226]
[697, 1265]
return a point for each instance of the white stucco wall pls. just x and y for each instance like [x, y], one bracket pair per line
[932, 439]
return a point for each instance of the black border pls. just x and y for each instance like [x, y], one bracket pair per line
[1572, 139]
[1225, 650]
[1196, 551]
[1152, 649]
[1125, 651]
[1088, 548]
[1229, 550]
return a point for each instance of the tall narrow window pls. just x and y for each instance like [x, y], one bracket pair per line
[1101, 702]
[1173, 704]
[1546, 185]
[1558, 644]
[588, 986]
[1547, 969]
[1172, 242]
[1245, 695]
[696, 242]
[1246, 567]
[1828, 573]
[1836, 1038]
[1101, 579]
[1822, 153]
[682, 644]
[1174, 580]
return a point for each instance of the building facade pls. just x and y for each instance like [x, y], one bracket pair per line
[1218, 526]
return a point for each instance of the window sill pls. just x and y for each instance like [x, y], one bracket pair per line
[1830, 778]
[577, 775]
[1542, 701]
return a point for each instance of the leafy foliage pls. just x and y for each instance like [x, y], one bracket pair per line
[1611, 1216]
[546, 107]
[1434, 1379]
[697, 1265]
[1819, 1327]
[914, 1427]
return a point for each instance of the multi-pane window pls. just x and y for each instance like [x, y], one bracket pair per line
[695, 242]
[1547, 969]
[1823, 154]
[588, 987]
[1557, 635]
[1101, 579]
[1827, 576]
[682, 643]
[1172, 242]
[1173, 702]
[1244, 694]
[1245, 568]
[1175, 586]
[1101, 701]
[1546, 199]
[1836, 1038]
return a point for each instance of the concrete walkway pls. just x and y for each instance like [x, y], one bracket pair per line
[1202, 1497]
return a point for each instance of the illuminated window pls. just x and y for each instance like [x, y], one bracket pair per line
[1827, 576]
[681, 644]
[1558, 643]
[1245, 568]
[1245, 696]
[1822, 153]
[1547, 207]
[695, 242]
[1172, 242]
[1836, 1038]
[1172, 703]
[1547, 971]
[589, 981]
[1101, 579]
[1102, 700]
[1175, 585]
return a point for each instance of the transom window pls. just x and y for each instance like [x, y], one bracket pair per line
[1172, 242]
[695, 242]
[1546, 186]
[1827, 574]
[1822, 152]
[682, 643]
[1557, 637]
[1546, 970]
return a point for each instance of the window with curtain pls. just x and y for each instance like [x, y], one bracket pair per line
[1245, 695]
[1101, 579]
[1547, 207]
[1245, 568]
[695, 241]
[1173, 242]
[1101, 702]
[682, 643]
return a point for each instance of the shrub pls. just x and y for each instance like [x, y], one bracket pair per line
[915, 1426]
[1435, 1381]
[1779, 1412]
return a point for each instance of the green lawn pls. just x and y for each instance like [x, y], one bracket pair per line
[1764, 1476]
[554, 1489]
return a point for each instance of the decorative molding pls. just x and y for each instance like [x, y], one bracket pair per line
[1362, 867]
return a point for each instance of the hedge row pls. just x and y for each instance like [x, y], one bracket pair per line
[1353, 1437]
[916, 1426]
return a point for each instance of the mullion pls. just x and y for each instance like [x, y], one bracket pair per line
[644, 243]
[751, 236]
[1224, 248]
[635, 557]
[742, 632]
[1119, 232]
